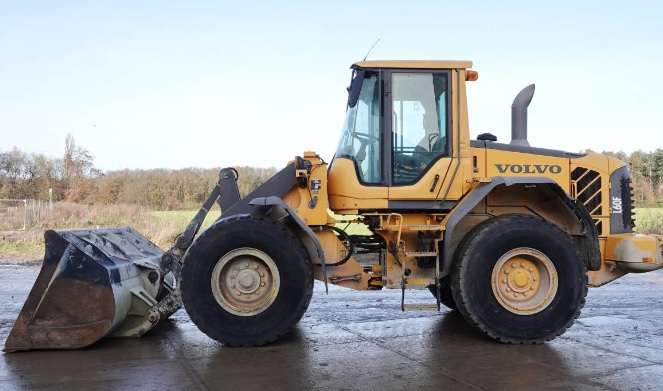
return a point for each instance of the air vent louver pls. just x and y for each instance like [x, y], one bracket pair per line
[588, 192]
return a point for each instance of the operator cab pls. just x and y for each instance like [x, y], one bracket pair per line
[397, 136]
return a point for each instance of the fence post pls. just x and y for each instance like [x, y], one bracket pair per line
[25, 214]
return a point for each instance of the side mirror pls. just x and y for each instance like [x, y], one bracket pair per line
[355, 86]
[486, 137]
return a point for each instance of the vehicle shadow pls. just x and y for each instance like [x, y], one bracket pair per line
[457, 348]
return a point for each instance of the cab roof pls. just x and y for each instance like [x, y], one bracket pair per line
[414, 64]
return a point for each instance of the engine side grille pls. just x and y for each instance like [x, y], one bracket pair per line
[588, 192]
[621, 201]
[628, 200]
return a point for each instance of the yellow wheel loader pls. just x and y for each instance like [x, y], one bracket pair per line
[509, 235]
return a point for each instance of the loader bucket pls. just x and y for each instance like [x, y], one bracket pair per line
[92, 283]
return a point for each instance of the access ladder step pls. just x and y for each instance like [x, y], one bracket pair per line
[415, 283]
[419, 307]
[413, 227]
[415, 254]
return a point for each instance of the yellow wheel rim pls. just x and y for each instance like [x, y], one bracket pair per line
[245, 281]
[524, 281]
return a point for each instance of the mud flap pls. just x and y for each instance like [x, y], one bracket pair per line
[92, 283]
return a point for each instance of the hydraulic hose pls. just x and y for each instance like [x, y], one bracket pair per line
[345, 238]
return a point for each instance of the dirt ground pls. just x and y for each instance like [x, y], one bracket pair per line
[359, 340]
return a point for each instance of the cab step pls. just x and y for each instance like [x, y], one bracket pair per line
[416, 254]
[421, 283]
[417, 283]
[420, 307]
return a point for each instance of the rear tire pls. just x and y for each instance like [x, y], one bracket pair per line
[244, 257]
[518, 279]
[446, 297]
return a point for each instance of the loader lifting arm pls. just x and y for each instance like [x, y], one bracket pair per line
[226, 192]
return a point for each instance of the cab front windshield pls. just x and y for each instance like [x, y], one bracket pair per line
[360, 137]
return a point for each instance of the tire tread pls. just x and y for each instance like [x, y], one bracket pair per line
[210, 328]
[476, 238]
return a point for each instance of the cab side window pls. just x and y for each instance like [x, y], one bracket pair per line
[419, 123]
[360, 138]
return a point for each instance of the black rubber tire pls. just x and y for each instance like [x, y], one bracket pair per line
[472, 270]
[446, 297]
[292, 300]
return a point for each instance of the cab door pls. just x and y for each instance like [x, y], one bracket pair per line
[356, 179]
[418, 134]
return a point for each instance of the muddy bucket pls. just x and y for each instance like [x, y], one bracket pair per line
[93, 283]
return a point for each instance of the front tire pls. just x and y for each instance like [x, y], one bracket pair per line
[518, 279]
[246, 281]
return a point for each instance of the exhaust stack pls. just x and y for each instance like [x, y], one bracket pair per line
[519, 116]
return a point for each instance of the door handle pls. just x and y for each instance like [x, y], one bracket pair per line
[434, 185]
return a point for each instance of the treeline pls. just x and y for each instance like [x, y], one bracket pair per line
[163, 189]
[646, 174]
[74, 178]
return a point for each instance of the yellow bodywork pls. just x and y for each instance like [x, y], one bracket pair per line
[299, 198]
[467, 166]
[348, 195]
[416, 64]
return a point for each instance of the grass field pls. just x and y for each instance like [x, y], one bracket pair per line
[162, 227]
[20, 250]
[649, 220]
[182, 217]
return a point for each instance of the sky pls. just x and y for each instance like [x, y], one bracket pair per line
[147, 84]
